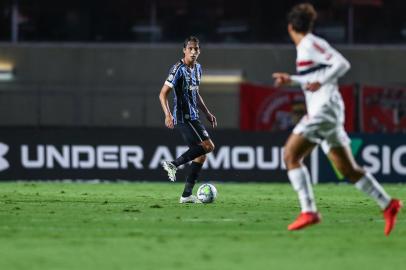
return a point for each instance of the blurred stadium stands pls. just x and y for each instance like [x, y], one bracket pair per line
[224, 21]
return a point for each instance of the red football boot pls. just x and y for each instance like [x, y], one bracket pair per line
[305, 219]
[390, 214]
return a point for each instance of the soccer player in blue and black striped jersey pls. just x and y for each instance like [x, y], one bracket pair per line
[184, 78]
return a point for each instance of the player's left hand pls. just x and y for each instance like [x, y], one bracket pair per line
[313, 87]
[212, 119]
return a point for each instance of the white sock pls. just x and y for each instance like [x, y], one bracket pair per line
[300, 180]
[372, 188]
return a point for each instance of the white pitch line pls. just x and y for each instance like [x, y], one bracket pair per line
[210, 220]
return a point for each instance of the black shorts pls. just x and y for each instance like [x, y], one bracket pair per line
[193, 132]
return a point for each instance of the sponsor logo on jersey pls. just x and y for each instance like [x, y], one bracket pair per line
[198, 77]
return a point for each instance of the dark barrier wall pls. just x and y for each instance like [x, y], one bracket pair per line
[135, 155]
[138, 66]
[117, 85]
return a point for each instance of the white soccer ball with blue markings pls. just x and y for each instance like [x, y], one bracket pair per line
[207, 193]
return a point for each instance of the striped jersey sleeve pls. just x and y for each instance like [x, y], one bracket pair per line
[174, 76]
[314, 54]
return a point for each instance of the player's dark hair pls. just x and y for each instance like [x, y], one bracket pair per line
[192, 39]
[302, 17]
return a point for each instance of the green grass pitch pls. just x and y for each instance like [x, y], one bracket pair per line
[142, 226]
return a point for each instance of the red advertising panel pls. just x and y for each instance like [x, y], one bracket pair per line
[348, 94]
[268, 108]
[383, 109]
[275, 109]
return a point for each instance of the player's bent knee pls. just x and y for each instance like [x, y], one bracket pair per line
[211, 148]
[291, 160]
[208, 146]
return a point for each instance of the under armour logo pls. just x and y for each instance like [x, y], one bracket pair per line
[3, 162]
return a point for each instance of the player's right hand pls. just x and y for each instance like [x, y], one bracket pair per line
[169, 121]
[281, 79]
[212, 119]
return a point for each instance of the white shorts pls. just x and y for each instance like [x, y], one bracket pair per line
[324, 133]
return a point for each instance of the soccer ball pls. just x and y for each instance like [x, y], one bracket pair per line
[206, 193]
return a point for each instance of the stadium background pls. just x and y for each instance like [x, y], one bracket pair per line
[79, 85]
[96, 73]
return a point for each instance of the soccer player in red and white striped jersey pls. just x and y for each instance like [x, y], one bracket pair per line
[319, 66]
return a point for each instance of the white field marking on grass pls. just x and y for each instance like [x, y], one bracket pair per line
[73, 229]
[374, 220]
[212, 220]
[244, 220]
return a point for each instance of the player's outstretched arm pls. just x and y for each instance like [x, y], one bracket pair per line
[202, 106]
[163, 98]
[285, 79]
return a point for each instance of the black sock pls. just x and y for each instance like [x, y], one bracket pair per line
[193, 152]
[195, 169]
